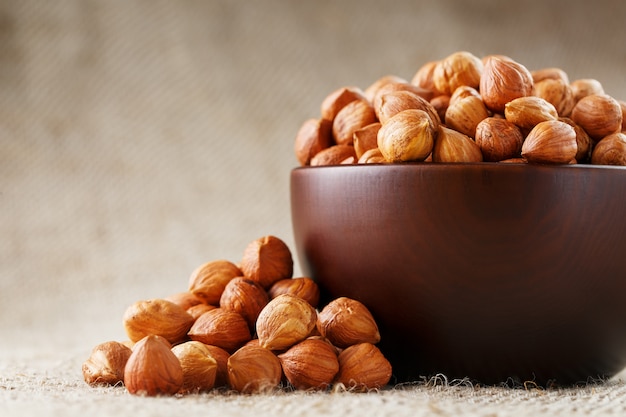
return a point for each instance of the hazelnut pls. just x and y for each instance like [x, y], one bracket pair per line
[158, 317]
[362, 367]
[198, 365]
[584, 144]
[198, 310]
[365, 138]
[253, 369]
[527, 112]
[394, 102]
[454, 146]
[407, 136]
[457, 69]
[586, 87]
[352, 117]
[184, 299]
[372, 90]
[372, 156]
[441, 103]
[498, 139]
[622, 105]
[599, 114]
[423, 78]
[267, 260]
[556, 92]
[550, 142]
[611, 150]
[345, 321]
[222, 328]
[285, 321]
[310, 364]
[303, 287]
[551, 73]
[503, 80]
[245, 297]
[464, 114]
[106, 363]
[333, 155]
[338, 99]
[208, 280]
[313, 136]
[152, 368]
[221, 358]
[401, 86]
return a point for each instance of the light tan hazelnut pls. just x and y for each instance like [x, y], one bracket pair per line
[152, 368]
[352, 117]
[285, 321]
[401, 86]
[337, 99]
[303, 287]
[222, 328]
[610, 150]
[584, 87]
[221, 358]
[313, 136]
[551, 73]
[253, 369]
[208, 280]
[550, 142]
[503, 80]
[423, 78]
[527, 112]
[407, 136]
[267, 260]
[199, 309]
[106, 363]
[245, 297]
[498, 139]
[454, 146]
[457, 69]
[462, 92]
[556, 92]
[310, 365]
[157, 317]
[372, 90]
[366, 138]
[600, 115]
[199, 367]
[465, 113]
[394, 102]
[345, 321]
[362, 367]
[372, 156]
[334, 155]
[185, 299]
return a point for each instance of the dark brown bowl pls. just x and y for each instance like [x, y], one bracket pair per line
[495, 272]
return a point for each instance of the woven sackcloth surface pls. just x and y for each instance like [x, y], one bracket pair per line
[139, 139]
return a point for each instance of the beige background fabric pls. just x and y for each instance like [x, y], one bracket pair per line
[139, 139]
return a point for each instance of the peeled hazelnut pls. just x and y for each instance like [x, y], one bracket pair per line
[394, 102]
[363, 366]
[198, 310]
[158, 317]
[503, 80]
[245, 297]
[372, 156]
[498, 139]
[208, 280]
[584, 144]
[352, 117]
[424, 77]
[303, 287]
[454, 146]
[455, 70]
[221, 358]
[336, 100]
[550, 142]
[550, 73]
[285, 321]
[222, 328]
[345, 321]
[310, 364]
[407, 136]
[313, 136]
[556, 92]
[610, 150]
[253, 369]
[185, 299]
[586, 87]
[152, 368]
[199, 366]
[599, 115]
[372, 90]
[464, 114]
[333, 155]
[527, 112]
[366, 138]
[267, 260]
[106, 363]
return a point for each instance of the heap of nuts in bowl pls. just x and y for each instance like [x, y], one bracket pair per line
[463, 108]
[248, 327]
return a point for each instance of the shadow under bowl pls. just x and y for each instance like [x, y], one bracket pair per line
[493, 272]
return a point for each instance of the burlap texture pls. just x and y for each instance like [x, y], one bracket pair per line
[139, 139]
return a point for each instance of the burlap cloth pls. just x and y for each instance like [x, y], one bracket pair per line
[139, 139]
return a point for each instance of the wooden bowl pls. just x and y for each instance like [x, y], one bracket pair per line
[494, 272]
